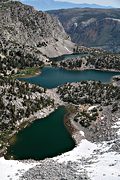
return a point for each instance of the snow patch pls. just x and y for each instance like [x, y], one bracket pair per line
[88, 22]
[84, 149]
[117, 126]
[76, 25]
[82, 133]
[95, 159]
[67, 49]
[91, 108]
[118, 20]
[13, 169]
[107, 166]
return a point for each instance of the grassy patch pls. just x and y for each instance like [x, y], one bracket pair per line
[27, 72]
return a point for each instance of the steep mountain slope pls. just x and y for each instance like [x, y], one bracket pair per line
[23, 25]
[92, 27]
[52, 4]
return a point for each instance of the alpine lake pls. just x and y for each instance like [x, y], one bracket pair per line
[49, 137]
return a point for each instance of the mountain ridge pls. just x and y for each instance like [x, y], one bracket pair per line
[52, 5]
[92, 27]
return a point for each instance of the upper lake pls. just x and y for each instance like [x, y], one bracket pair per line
[52, 77]
[68, 56]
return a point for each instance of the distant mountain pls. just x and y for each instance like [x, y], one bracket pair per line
[52, 5]
[92, 27]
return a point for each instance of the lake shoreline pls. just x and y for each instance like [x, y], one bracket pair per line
[10, 157]
[25, 122]
[71, 112]
[84, 69]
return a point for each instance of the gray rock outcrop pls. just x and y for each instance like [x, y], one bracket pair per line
[22, 24]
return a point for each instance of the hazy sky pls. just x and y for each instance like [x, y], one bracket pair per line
[114, 3]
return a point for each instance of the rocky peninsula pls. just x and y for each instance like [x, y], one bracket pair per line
[97, 105]
[93, 59]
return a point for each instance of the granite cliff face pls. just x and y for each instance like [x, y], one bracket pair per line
[92, 27]
[23, 25]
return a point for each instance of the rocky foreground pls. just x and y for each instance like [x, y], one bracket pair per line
[50, 169]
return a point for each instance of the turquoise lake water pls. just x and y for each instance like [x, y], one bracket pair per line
[52, 77]
[44, 138]
[68, 56]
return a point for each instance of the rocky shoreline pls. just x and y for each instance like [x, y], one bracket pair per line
[86, 68]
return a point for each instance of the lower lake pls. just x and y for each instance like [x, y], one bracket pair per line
[43, 138]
